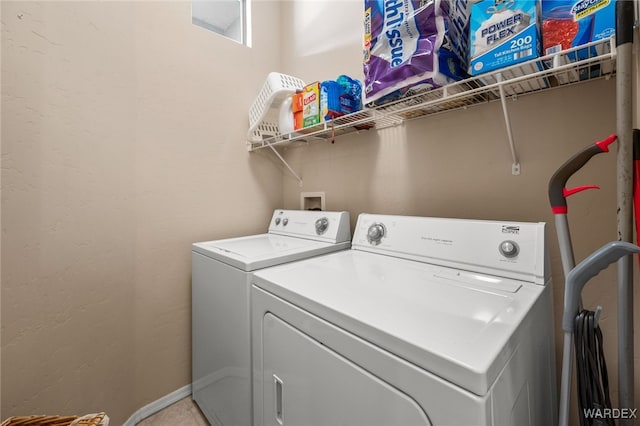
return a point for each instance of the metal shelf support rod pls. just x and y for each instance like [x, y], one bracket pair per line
[287, 164]
[515, 167]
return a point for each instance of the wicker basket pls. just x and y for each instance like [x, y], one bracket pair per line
[99, 419]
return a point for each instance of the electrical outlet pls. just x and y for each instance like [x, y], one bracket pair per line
[312, 201]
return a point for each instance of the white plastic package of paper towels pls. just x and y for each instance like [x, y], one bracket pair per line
[496, 27]
[406, 48]
[493, 34]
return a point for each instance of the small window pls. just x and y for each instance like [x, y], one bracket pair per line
[229, 18]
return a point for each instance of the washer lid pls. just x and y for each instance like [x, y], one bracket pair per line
[461, 326]
[260, 251]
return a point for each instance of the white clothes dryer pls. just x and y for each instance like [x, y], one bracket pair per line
[221, 280]
[424, 321]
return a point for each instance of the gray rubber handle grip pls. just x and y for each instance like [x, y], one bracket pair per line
[587, 269]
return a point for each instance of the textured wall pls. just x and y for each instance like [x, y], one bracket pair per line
[123, 131]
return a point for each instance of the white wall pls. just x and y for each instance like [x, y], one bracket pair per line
[123, 141]
[322, 39]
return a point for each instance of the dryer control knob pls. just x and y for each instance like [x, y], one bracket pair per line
[509, 248]
[277, 221]
[375, 233]
[285, 221]
[321, 225]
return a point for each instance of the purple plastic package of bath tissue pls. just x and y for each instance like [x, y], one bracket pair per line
[406, 48]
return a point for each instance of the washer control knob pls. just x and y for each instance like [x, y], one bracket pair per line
[509, 248]
[321, 225]
[375, 233]
[285, 221]
[277, 221]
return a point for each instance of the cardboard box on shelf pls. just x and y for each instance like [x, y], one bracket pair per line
[311, 105]
[572, 23]
[296, 108]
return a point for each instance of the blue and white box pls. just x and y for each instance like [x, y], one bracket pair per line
[571, 23]
[502, 33]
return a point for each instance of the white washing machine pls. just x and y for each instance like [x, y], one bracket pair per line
[424, 321]
[221, 280]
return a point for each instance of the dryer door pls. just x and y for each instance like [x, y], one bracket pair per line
[306, 383]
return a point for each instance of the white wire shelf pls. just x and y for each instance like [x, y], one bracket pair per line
[577, 65]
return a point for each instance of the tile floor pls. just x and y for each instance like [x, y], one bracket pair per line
[183, 413]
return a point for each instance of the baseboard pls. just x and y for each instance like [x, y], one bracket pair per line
[158, 405]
